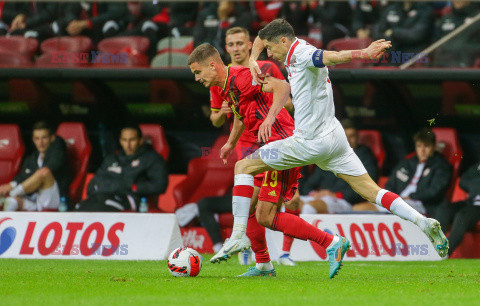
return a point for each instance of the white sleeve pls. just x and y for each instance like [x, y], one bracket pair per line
[309, 56]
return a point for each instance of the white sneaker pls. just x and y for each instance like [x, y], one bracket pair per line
[434, 232]
[231, 247]
[285, 260]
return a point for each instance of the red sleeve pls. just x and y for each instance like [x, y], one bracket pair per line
[244, 82]
[271, 68]
[215, 98]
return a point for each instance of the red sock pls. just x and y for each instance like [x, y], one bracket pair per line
[287, 240]
[296, 227]
[256, 234]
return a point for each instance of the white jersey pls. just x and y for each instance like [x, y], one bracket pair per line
[311, 90]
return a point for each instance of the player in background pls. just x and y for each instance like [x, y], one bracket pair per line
[257, 111]
[318, 137]
[238, 46]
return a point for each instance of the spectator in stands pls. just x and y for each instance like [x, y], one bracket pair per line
[335, 19]
[9, 12]
[408, 25]
[97, 20]
[422, 180]
[323, 192]
[461, 50]
[465, 214]
[215, 18]
[125, 177]
[44, 177]
[182, 18]
[365, 15]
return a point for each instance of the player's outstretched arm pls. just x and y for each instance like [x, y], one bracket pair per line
[374, 51]
[237, 130]
[257, 74]
[281, 93]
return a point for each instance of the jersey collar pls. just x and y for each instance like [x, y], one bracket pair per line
[290, 52]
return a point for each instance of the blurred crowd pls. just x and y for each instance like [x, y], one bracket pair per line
[411, 26]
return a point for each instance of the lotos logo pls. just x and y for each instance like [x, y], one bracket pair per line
[6, 237]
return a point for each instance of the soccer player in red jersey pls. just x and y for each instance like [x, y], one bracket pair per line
[238, 46]
[262, 115]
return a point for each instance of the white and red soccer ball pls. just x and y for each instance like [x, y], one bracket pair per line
[184, 262]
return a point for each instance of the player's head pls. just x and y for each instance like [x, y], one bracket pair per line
[277, 36]
[351, 132]
[42, 136]
[130, 138]
[238, 45]
[205, 62]
[425, 143]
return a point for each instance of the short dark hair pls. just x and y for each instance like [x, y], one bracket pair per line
[43, 125]
[276, 29]
[204, 52]
[426, 136]
[348, 124]
[131, 126]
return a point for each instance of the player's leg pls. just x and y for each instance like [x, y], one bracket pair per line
[41, 179]
[370, 191]
[291, 207]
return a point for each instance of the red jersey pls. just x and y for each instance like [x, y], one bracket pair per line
[247, 139]
[251, 105]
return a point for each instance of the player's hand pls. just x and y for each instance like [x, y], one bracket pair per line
[5, 190]
[18, 23]
[265, 131]
[257, 74]
[225, 108]
[76, 27]
[377, 48]
[225, 152]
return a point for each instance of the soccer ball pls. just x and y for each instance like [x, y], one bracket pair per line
[184, 262]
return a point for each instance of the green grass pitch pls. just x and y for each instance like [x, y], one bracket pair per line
[69, 282]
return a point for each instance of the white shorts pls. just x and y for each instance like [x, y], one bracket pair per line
[331, 152]
[334, 205]
[44, 199]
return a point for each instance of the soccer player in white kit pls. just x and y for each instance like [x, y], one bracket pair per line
[318, 136]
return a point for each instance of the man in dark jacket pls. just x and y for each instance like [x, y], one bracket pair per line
[423, 179]
[464, 214]
[123, 178]
[44, 176]
[323, 192]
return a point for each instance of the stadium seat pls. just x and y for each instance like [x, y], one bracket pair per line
[350, 44]
[175, 43]
[52, 60]
[449, 146]
[155, 135]
[458, 193]
[207, 176]
[373, 140]
[67, 44]
[11, 152]
[9, 59]
[19, 45]
[129, 44]
[317, 43]
[79, 150]
[170, 59]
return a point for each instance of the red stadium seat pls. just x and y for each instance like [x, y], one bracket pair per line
[9, 59]
[53, 59]
[79, 150]
[317, 43]
[449, 146]
[19, 45]
[207, 176]
[129, 44]
[155, 135]
[458, 193]
[350, 44]
[67, 44]
[373, 140]
[11, 152]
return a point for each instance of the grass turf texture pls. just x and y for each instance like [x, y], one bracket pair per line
[121, 282]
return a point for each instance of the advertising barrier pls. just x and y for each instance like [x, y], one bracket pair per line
[117, 236]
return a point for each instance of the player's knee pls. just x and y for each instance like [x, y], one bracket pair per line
[263, 215]
[241, 167]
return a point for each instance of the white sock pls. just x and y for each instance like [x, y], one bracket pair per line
[217, 246]
[401, 208]
[264, 266]
[17, 191]
[10, 204]
[285, 253]
[308, 209]
[241, 206]
[334, 241]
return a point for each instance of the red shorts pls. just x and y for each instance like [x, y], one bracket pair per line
[279, 185]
